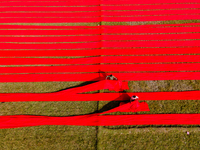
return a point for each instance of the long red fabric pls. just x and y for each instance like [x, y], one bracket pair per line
[134, 51]
[51, 32]
[105, 30]
[25, 3]
[105, 7]
[98, 27]
[97, 19]
[113, 1]
[101, 59]
[51, 46]
[104, 37]
[68, 96]
[85, 3]
[104, 68]
[100, 120]
[97, 77]
[106, 14]
[99, 44]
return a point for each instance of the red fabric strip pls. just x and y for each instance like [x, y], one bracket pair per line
[173, 26]
[115, 2]
[51, 32]
[53, 39]
[67, 96]
[104, 68]
[53, 27]
[142, 51]
[95, 120]
[134, 51]
[31, 61]
[99, 37]
[95, 77]
[103, 59]
[134, 106]
[128, 29]
[150, 59]
[87, 3]
[49, 77]
[101, 44]
[97, 27]
[105, 14]
[49, 20]
[80, 3]
[186, 95]
[51, 9]
[98, 8]
[150, 37]
[152, 18]
[158, 76]
[151, 44]
[40, 19]
[155, 12]
[22, 53]
[51, 46]
[151, 7]
[77, 14]
[106, 30]
[123, 2]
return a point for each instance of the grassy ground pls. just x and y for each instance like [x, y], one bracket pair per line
[108, 138]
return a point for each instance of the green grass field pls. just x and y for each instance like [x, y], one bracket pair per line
[101, 138]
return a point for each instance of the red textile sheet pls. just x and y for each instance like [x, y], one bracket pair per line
[100, 120]
[98, 27]
[113, 1]
[104, 37]
[101, 59]
[66, 95]
[97, 77]
[97, 19]
[103, 68]
[99, 30]
[88, 45]
[133, 51]
[183, 13]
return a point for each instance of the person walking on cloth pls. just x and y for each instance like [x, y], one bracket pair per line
[111, 77]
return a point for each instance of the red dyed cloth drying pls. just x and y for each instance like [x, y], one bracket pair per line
[92, 119]
[134, 106]
[100, 120]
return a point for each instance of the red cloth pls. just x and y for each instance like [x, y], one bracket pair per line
[92, 119]
[100, 120]
[134, 106]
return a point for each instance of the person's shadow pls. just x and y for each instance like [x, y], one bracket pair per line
[101, 77]
[124, 97]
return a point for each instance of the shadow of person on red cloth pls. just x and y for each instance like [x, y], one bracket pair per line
[123, 104]
[102, 76]
[115, 103]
